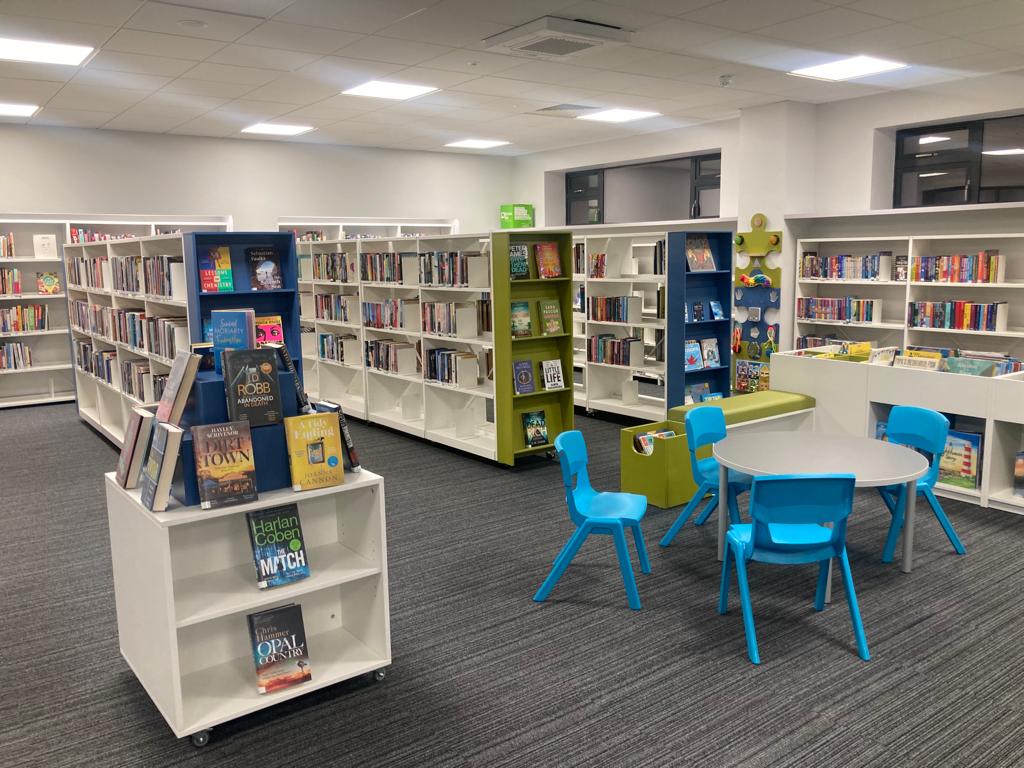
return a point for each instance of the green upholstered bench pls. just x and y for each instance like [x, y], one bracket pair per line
[664, 476]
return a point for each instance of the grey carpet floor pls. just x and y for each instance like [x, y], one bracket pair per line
[482, 676]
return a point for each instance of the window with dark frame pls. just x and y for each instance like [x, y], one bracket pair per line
[584, 197]
[978, 161]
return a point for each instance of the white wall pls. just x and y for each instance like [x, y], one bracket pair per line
[646, 193]
[65, 170]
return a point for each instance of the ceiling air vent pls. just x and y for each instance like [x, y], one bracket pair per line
[566, 110]
[553, 38]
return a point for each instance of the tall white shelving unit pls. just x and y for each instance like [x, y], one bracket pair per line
[351, 228]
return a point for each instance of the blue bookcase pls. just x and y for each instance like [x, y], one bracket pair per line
[684, 289]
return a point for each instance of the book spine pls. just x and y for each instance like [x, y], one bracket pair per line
[347, 443]
[300, 393]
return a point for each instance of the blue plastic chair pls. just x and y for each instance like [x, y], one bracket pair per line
[594, 512]
[705, 426]
[789, 514]
[926, 430]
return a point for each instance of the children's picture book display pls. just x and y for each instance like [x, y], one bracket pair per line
[692, 357]
[709, 348]
[279, 650]
[278, 548]
[225, 467]
[535, 428]
[716, 310]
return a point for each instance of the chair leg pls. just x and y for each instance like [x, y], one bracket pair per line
[641, 548]
[684, 515]
[748, 611]
[734, 508]
[851, 599]
[626, 567]
[723, 590]
[940, 515]
[889, 550]
[888, 501]
[709, 509]
[568, 553]
[819, 593]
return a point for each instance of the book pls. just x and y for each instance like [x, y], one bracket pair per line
[549, 263]
[711, 396]
[215, 274]
[696, 392]
[231, 329]
[48, 283]
[644, 442]
[177, 387]
[969, 366]
[45, 247]
[314, 450]
[550, 316]
[348, 445]
[551, 370]
[960, 465]
[900, 268]
[264, 268]
[522, 374]
[159, 470]
[278, 549]
[269, 329]
[882, 355]
[698, 254]
[716, 310]
[709, 349]
[535, 428]
[279, 649]
[698, 311]
[251, 385]
[136, 445]
[286, 360]
[519, 261]
[225, 466]
[692, 357]
[521, 319]
[205, 351]
[1018, 475]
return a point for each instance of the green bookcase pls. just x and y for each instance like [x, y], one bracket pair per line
[557, 405]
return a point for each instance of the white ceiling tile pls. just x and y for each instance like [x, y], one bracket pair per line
[261, 8]
[460, 99]
[748, 15]
[321, 113]
[72, 118]
[23, 70]
[794, 58]
[269, 58]
[444, 28]
[54, 30]
[665, 7]
[1011, 37]
[678, 36]
[612, 58]
[496, 86]
[816, 27]
[212, 124]
[350, 105]
[353, 15]
[149, 122]
[298, 37]
[109, 12]
[883, 41]
[627, 17]
[103, 78]
[139, 63]
[341, 73]
[401, 113]
[154, 44]
[27, 91]
[224, 73]
[995, 61]
[422, 75]
[477, 63]
[392, 50]
[975, 18]
[906, 10]
[207, 88]
[671, 65]
[166, 18]
[942, 50]
[182, 102]
[510, 14]
[738, 48]
[293, 89]
[254, 111]
[911, 77]
[89, 97]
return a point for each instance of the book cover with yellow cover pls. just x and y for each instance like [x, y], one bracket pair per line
[314, 450]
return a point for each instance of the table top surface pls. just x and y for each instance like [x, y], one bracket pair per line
[873, 462]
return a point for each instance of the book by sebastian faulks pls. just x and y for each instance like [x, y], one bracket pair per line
[314, 450]
[535, 428]
[251, 385]
[279, 648]
[549, 263]
[264, 268]
[278, 549]
[348, 445]
[225, 467]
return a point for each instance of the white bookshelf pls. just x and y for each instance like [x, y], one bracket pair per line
[184, 583]
[348, 227]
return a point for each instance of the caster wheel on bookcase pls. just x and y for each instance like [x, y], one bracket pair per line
[549, 454]
[379, 674]
[200, 739]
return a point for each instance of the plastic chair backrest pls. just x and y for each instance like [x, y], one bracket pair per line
[572, 455]
[800, 499]
[705, 425]
[920, 428]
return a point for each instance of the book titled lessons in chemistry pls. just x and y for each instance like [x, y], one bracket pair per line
[279, 648]
[278, 549]
[251, 386]
[225, 467]
[314, 450]
[215, 270]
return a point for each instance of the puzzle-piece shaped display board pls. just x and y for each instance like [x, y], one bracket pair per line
[757, 244]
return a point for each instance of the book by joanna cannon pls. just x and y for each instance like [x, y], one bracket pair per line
[225, 467]
[314, 450]
[279, 648]
[278, 549]
[250, 382]
[264, 268]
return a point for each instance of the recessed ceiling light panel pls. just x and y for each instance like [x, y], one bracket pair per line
[618, 115]
[477, 144]
[1013, 151]
[382, 89]
[278, 129]
[43, 53]
[849, 69]
[18, 110]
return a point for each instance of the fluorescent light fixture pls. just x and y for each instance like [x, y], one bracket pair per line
[18, 110]
[932, 139]
[278, 129]
[934, 173]
[618, 115]
[1014, 151]
[477, 144]
[43, 53]
[849, 69]
[381, 89]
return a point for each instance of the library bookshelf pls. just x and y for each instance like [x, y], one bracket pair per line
[314, 228]
[184, 583]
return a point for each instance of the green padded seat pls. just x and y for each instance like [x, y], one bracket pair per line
[752, 406]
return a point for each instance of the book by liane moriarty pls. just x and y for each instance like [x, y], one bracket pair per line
[225, 467]
[279, 648]
[250, 381]
[278, 549]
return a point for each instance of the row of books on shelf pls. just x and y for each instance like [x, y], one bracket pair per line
[983, 267]
[946, 359]
[336, 306]
[162, 336]
[457, 269]
[83, 235]
[625, 309]
[846, 266]
[610, 349]
[449, 318]
[386, 267]
[7, 246]
[20, 319]
[522, 321]
[844, 308]
[43, 246]
[957, 315]
[13, 281]
[699, 355]
[140, 382]
[157, 275]
[15, 355]
[455, 367]
[336, 266]
[338, 347]
[697, 315]
[401, 357]
[101, 363]
[391, 313]
[548, 261]
[441, 269]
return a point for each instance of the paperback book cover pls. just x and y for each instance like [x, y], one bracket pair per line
[519, 261]
[535, 428]
[279, 648]
[698, 254]
[549, 263]
[552, 372]
[215, 270]
[48, 283]
[550, 316]
[231, 329]
[522, 371]
[900, 268]
[177, 387]
[709, 348]
[692, 356]
[716, 310]
[697, 392]
[347, 443]
[225, 467]
[269, 329]
[314, 450]
[264, 268]
[278, 549]
[698, 311]
[521, 319]
[250, 381]
[1018, 475]
[289, 365]
[159, 469]
[961, 461]
[136, 445]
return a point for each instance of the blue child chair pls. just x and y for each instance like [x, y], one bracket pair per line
[704, 426]
[594, 512]
[789, 514]
[925, 430]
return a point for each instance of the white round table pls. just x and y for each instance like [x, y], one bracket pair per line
[873, 462]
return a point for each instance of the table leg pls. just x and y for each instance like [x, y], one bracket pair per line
[723, 508]
[828, 584]
[909, 518]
